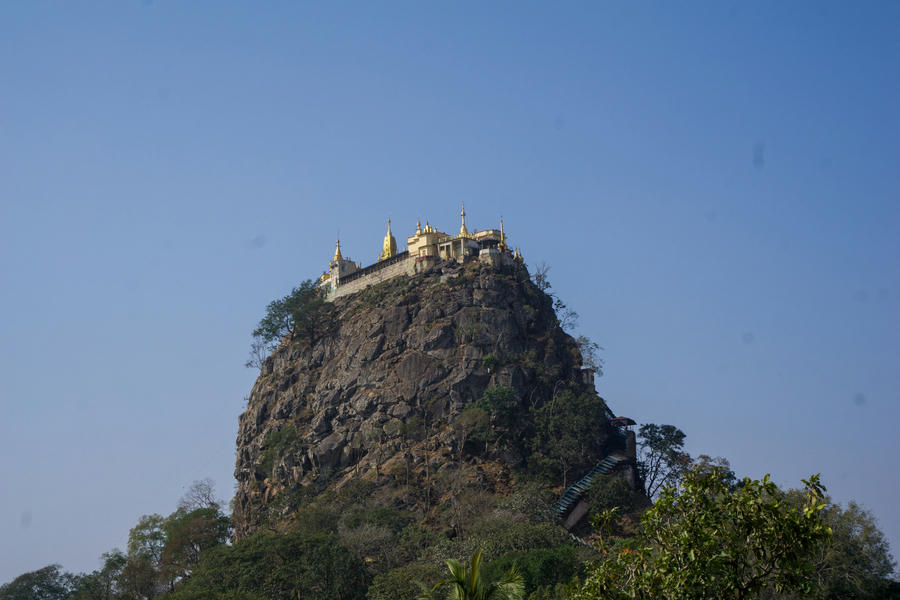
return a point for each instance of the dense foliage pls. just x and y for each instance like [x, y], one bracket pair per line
[709, 541]
[709, 538]
[856, 563]
[302, 313]
[469, 582]
[279, 567]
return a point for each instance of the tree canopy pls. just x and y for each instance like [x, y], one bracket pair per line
[301, 313]
[707, 540]
[279, 567]
[661, 459]
[48, 583]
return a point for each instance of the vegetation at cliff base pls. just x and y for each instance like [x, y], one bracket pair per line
[706, 539]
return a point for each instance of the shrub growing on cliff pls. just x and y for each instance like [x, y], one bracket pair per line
[502, 404]
[301, 313]
[276, 445]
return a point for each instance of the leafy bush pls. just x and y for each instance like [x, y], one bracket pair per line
[276, 445]
[384, 516]
[402, 583]
[503, 405]
[708, 541]
[613, 491]
[539, 566]
[278, 567]
[490, 361]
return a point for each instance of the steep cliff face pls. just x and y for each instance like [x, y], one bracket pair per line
[378, 397]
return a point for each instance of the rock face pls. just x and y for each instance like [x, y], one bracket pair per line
[376, 397]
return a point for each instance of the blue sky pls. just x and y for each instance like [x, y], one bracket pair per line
[713, 184]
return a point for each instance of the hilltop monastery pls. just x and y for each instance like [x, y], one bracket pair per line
[425, 248]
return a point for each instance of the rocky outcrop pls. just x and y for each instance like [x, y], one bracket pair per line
[379, 392]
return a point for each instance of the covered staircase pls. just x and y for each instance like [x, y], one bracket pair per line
[575, 491]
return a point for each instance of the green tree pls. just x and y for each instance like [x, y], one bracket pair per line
[539, 567]
[141, 576]
[661, 459]
[147, 538]
[141, 579]
[278, 567]
[706, 464]
[49, 583]
[856, 562]
[188, 533]
[503, 408]
[103, 584]
[467, 582]
[566, 439]
[590, 354]
[301, 313]
[709, 541]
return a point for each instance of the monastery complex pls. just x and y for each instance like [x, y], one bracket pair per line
[425, 248]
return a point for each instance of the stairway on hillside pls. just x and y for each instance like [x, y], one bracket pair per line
[575, 491]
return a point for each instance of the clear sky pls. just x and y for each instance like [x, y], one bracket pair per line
[715, 186]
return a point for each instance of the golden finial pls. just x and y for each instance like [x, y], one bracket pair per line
[462, 229]
[502, 236]
[418, 226]
[337, 251]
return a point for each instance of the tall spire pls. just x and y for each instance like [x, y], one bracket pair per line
[389, 248]
[337, 251]
[462, 229]
[418, 226]
[502, 236]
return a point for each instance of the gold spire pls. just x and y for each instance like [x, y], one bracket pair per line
[502, 236]
[418, 226]
[389, 248]
[337, 252]
[462, 229]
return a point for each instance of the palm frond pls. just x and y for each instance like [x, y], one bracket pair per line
[510, 587]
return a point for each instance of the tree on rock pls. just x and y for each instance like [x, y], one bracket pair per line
[301, 313]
